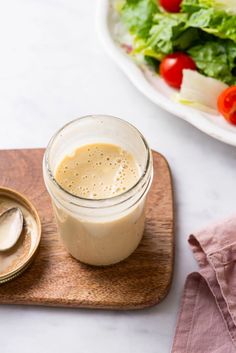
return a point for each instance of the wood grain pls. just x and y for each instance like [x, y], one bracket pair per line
[56, 279]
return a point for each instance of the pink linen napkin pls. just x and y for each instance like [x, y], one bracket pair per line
[207, 318]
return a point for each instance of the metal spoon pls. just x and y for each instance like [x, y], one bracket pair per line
[11, 225]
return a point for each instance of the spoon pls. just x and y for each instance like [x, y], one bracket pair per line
[11, 225]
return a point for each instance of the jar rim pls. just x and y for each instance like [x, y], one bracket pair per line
[90, 202]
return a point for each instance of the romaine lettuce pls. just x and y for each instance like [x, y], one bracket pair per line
[217, 22]
[205, 29]
[170, 33]
[138, 16]
[190, 6]
[216, 59]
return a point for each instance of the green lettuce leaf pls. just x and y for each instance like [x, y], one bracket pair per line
[170, 33]
[202, 29]
[216, 22]
[190, 6]
[212, 16]
[138, 16]
[216, 59]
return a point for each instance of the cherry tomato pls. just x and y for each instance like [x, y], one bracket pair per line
[171, 5]
[172, 66]
[227, 104]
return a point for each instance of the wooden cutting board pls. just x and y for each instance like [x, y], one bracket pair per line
[56, 279]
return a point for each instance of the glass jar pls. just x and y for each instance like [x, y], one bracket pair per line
[101, 231]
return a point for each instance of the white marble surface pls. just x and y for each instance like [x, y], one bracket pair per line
[52, 69]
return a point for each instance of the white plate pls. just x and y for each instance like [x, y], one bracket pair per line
[152, 86]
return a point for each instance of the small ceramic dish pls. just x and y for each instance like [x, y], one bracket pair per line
[15, 260]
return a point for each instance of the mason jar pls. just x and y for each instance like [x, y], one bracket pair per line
[99, 231]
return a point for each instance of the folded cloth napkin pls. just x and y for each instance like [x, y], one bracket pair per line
[207, 318]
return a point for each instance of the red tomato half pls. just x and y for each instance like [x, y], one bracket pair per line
[227, 104]
[172, 66]
[171, 5]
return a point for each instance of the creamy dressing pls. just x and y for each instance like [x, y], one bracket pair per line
[99, 171]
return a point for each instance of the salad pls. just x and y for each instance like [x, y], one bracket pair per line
[191, 44]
